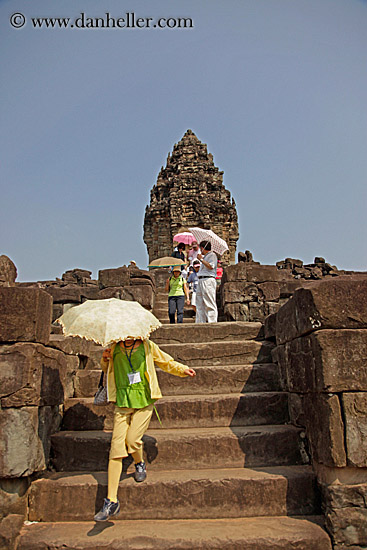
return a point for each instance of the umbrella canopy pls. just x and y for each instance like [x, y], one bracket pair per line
[186, 238]
[166, 261]
[108, 321]
[218, 245]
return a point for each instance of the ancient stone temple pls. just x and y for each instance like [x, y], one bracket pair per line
[189, 192]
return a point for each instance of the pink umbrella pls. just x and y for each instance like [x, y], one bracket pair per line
[186, 238]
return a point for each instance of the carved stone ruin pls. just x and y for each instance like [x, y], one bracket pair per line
[189, 192]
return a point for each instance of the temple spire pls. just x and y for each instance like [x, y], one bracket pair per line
[189, 192]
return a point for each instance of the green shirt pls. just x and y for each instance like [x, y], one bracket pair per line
[176, 286]
[135, 396]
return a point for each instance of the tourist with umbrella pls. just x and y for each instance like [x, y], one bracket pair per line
[206, 303]
[132, 383]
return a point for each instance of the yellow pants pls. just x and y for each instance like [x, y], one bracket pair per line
[129, 426]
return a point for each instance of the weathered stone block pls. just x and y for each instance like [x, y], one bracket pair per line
[233, 273]
[10, 528]
[238, 292]
[348, 526]
[49, 422]
[57, 311]
[21, 449]
[278, 356]
[72, 345]
[31, 374]
[269, 326]
[143, 294]
[137, 281]
[110, 292]
[89, 292]
[326, 361]
[257, 312]
[13, 496]
[269, 291]
[25, 315]
[236, 312]
[334, 303]
[72, 366]
[65, 294]
[267, 273]
[8, 271]
[114, 277]
[287, 288]
[355, 414]
[271, 308]
[296, 409]
[338, 495]
[255, 273]
[325, 429]
[141, 275]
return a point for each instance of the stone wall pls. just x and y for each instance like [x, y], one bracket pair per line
[250, 291]
[321, 337]
[37, 373]
[76, 286]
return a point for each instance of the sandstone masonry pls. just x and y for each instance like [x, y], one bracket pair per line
[189, 192]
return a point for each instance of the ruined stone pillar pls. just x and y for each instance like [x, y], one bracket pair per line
[189, 192]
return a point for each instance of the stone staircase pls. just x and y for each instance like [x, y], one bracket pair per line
[225, 471]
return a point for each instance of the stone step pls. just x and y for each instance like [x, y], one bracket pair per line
[220, 353]
[262, 533]
[178, 494]
[186, 448]
[250, 409]
[162, 311]
[230, 352]
[186, 321]
[215, 379]
[207, 332]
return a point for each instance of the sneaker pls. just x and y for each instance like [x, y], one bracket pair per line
[109, 509]
[140, 472]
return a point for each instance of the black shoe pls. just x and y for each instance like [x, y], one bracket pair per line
[140, 472]
[109, 509]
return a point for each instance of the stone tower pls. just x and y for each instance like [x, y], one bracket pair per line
[189, 192]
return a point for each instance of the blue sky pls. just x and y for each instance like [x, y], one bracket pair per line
[276, 88]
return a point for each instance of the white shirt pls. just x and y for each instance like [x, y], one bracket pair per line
[210, 258]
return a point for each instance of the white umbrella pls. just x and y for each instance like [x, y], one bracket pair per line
[108, 321]
[218, 245]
